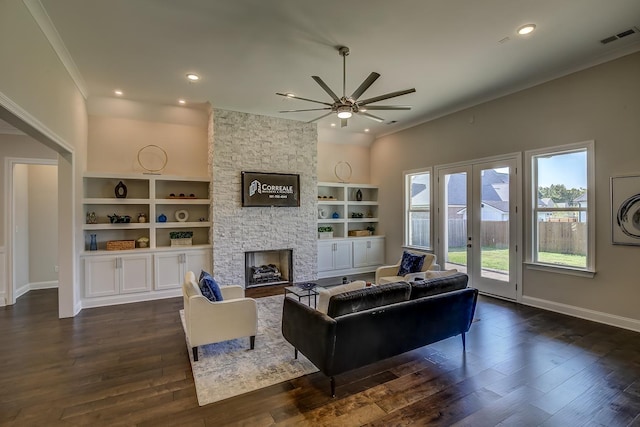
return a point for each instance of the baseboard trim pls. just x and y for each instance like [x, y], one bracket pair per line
[583, 313]
[21, 291]
[130, 298]
[43, 285]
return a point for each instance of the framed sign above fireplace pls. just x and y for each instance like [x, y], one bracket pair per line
[270, 189]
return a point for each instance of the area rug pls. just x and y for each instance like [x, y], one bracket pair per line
[229, 368]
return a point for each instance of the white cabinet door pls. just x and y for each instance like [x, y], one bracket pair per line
[135, 273]
[168, 269]
[342, 255]
[375, 254]
[325, 256]
[101, 277]
[368, 252]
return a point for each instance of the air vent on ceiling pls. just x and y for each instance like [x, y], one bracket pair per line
[618, 36]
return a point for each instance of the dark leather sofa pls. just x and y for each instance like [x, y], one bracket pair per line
[372, 324]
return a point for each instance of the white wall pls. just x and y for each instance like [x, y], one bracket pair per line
[329, 154]
[43, 225]
[38, 95]
[118, 129]
[600, 103]
[21, 231]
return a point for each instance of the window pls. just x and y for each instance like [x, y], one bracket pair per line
[561, 200]
[418, 209]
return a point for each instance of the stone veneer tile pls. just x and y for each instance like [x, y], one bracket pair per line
[245, 142]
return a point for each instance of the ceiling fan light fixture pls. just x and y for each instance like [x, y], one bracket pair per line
[344, 112]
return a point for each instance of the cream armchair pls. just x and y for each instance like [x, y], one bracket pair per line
[209, 322]
[389, 273]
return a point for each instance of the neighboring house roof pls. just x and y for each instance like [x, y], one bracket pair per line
[546, 202]
[502, 206]
[495, 187]
[581, 198]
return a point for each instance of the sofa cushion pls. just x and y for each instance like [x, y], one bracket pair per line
[371, 297]
[410, 263]
[209, 287]
[425, 288]
[324, 294]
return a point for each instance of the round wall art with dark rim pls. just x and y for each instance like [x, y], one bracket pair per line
[629, 216]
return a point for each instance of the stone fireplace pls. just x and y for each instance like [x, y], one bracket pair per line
[268, 267]
[245, 142]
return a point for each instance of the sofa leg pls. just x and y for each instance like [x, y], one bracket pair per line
[464, 343]
[195, 353]
[252, 342]
[295, 353]
[332, 381]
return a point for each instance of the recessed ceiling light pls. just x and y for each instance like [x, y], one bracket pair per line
[526, 29]
[333, 125]
[118, 92]
[193, 77]
[182, 101]
[366, 130]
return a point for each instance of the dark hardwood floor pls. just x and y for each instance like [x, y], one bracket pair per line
[128, 365]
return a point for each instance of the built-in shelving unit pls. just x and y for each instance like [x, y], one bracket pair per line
[155, 271]
[343, 254]
[149, 195]
[341, 200]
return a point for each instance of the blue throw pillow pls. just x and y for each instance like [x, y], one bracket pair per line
[209, 287]
[410, 263]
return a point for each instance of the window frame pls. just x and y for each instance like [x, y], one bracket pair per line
[407, 210]
[533, 210]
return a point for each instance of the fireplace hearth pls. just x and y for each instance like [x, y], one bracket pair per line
[271, 267]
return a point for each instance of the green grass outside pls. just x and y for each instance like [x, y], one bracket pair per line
[498, 259]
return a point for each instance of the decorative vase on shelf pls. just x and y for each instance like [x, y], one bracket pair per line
[93, 244]
[359, 195]
[121, 190]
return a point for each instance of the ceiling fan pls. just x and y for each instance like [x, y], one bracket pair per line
[345, 106]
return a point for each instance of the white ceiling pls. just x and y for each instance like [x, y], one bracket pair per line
[247, 50]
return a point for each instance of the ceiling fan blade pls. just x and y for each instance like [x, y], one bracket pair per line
[386, 96]
[310, 109]
[288, 95]
[386, 107]
[372, 117]
[364, 86]
[321, 117]
[326, 88]
[343, 123]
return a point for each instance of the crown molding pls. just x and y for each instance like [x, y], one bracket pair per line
[35, 128]
[43, 20]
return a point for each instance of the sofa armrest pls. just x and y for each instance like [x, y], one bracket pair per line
[232, 292]
[209, 322]
[311, 332]
[421, 275]
[386, 270]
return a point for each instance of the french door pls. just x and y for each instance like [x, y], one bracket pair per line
[478, 223]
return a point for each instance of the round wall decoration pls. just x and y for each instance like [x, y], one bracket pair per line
[343, 171]
[152, 158]
[182, 215]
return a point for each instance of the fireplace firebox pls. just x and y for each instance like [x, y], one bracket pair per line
[270, 267]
